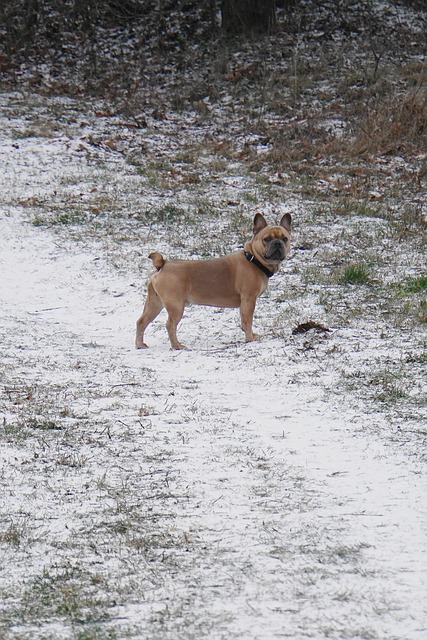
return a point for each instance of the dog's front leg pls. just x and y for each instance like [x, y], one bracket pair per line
[247, 308]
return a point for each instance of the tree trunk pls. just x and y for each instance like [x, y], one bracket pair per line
[248, 16]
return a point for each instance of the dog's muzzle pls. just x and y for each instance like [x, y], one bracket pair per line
[275, 251]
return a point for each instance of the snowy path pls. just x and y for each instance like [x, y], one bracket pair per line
[288, 520]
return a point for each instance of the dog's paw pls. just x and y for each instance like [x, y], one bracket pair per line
[141, 345]
[179, 347]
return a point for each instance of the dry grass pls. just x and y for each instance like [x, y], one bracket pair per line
[396, 125]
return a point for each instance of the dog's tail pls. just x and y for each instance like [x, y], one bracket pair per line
[158, 260]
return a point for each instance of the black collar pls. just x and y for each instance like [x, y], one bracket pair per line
[251, 258]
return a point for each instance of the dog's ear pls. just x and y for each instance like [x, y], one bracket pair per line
[259, 223]
[286, 221]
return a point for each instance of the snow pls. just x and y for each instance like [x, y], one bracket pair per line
[227, 491]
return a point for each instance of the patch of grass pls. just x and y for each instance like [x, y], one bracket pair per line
[218, 164]
[99, 633]
[75, 460]
[204, 206]
[350, 204]
[250, 197]
[367, 210]
[398, 124]
[423, 311]
[63, 592]
[412, 218]
[60, 218]
[386, 387]
[13, 535]
[417, 358]
[355, 274]
[157, 174]
[43, 425]
[187, 156]
[27, 428]
[413, 285]
[16, 432]
[390, 393]
[39, 129]
[23, 135]
[170, 213]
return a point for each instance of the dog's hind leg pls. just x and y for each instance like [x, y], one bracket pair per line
[153, 306]
[175, 313]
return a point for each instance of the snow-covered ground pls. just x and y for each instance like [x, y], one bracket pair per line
[227, 491]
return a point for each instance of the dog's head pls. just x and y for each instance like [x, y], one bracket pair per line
[271, 244]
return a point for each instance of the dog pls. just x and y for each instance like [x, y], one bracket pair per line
[235, 280]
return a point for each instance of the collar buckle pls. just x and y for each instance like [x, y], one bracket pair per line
[251, 258]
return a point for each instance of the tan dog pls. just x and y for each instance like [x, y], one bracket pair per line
[235, 280]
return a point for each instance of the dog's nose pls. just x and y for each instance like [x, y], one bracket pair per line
[276, 250]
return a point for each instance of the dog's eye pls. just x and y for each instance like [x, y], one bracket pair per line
[267, 239]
